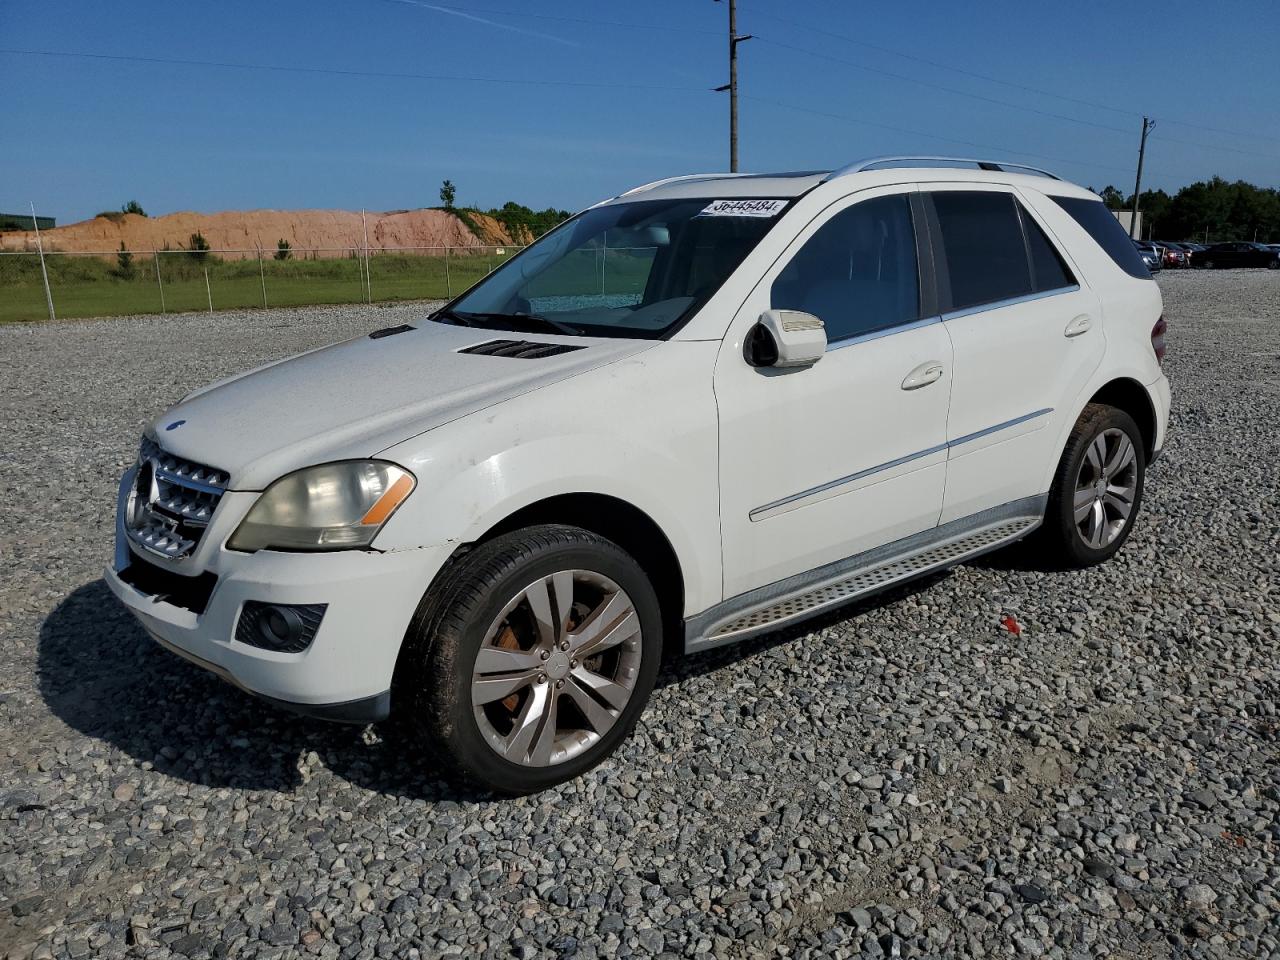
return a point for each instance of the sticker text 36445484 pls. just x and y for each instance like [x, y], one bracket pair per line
[743, 208]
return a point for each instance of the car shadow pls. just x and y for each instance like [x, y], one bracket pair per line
[101, 674]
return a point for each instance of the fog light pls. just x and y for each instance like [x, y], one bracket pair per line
[286, 627]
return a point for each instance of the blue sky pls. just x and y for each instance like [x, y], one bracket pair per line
[606, 95]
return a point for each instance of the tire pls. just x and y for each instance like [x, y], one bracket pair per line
[1273, 264]
[1072, 540]
[1209, 264]
[489, 712]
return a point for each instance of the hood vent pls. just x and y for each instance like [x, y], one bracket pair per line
[522, 349]
[390, 331]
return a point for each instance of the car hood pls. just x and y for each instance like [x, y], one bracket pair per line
[356, 398]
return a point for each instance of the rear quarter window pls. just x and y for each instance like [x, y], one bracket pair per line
[1101, 224]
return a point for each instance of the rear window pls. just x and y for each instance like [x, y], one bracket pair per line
[1101, 224]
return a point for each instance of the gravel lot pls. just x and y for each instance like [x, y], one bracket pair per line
[904, 779]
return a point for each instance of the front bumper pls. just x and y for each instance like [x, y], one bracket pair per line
[345, 673]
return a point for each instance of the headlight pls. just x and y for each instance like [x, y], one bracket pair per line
[335, 506]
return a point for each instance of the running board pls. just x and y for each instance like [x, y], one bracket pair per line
[807, 594]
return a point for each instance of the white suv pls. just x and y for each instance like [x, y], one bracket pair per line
[705, 408]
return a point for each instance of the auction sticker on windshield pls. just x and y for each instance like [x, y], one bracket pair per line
[743, 208]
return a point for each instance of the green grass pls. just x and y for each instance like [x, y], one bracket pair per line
[85, 286]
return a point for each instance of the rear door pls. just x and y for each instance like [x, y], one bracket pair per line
[1026, 336]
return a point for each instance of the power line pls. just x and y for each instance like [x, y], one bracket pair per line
[936, 86]
[329, 71]
[934, 136]
[1003, 103]
[998, 80]
[589, 21]
[905, 78]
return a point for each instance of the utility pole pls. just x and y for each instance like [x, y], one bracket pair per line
[1147, 126]
[732, 85]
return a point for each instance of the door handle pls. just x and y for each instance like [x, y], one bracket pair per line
[923, 375]
[1079, 325]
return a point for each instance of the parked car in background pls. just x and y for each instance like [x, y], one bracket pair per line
[1174, 255]
[1150, 253]
[1239, 253]
[497, 519]
[1194, 251]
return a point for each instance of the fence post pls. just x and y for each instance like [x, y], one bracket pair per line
[155, 259]
[368, 272]
[448, 283]
[208, 292]
[48, 294]
[262, 277]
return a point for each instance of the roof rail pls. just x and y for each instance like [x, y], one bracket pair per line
[891, 162]
[665, 180]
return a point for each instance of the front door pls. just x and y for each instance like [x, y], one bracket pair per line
[823, 462]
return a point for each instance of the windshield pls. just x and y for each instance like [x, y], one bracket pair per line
[622, 270]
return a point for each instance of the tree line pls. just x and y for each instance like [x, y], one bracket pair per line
[1208, 211]
[522, 224]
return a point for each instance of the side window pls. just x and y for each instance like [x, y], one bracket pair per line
[858, 272]
[982, 243]
[1101, 224]
[1049, 271]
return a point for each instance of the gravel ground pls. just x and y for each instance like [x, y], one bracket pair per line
[906, 778]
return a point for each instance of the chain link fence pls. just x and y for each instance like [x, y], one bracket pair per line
[110, 283]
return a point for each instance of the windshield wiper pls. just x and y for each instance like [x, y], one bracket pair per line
[453, 317]
[526, 322]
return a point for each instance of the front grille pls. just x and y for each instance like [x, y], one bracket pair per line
[172, 502]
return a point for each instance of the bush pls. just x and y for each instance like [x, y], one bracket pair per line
[198, 247]
[124, 263]
[283, 251]
[133, 207]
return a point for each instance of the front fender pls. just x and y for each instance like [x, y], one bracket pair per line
[651, 447]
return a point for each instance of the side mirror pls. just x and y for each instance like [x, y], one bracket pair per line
[786, 338]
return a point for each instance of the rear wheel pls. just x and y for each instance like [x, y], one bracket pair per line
[1097, 490]
[544, 646]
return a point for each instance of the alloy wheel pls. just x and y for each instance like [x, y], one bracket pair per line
[1106, 488]
[557, 668]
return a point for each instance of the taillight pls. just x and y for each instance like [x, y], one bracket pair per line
[1157, 339]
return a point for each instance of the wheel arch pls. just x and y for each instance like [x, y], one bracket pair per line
[1130, 396]
[626, 525]
[613, 518]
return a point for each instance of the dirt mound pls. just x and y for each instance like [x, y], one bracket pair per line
[333, 233]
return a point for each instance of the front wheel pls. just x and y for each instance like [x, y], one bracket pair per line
[1097, 489]
[544, 646]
